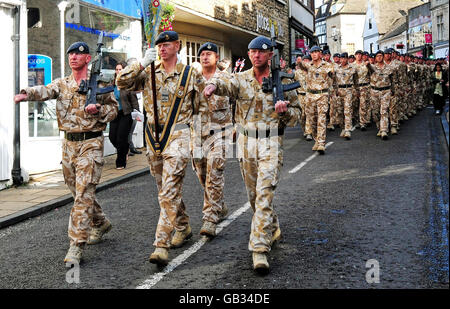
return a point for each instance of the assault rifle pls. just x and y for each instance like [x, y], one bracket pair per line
[274, 82]
[90, 88]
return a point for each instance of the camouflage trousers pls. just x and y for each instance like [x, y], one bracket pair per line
[316, 111]
[345, 108]
[333, 108]
[401, 101]
[411, 100]
[306, 126]
[260, 161]
[355, 105]
[209, 168]
[364, 105]
[169, 170]
[380, 100]
[82, 164]
[394, 110]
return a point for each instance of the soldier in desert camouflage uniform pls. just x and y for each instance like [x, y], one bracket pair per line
[168, 166]
[363, 86]
[381, 93]
[394, 113]
[261, 124]
[82, 158]
[319, 76]
[400, 89]
[209, 136]
[345, 81]
[300, 76]
[411, 84]
[333, 101]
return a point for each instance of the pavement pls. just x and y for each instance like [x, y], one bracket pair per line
[47, 191]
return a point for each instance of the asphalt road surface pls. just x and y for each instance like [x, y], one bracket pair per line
[368, 214]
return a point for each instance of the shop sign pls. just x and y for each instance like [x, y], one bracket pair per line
[264, 23]
[428, 38]
[39, 70]
[299, 43]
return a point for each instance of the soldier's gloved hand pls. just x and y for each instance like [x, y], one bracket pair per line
[281, 107]
[149, 57]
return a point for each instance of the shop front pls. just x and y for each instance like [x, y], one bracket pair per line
[52, 27]
[301, 27]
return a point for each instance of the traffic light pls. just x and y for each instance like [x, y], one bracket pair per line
[427, 51]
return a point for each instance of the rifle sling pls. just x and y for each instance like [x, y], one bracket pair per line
[174, 112]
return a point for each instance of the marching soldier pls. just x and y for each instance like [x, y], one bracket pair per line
[169, 153]
[300, 76]
[319, 77]
[363, 88]
[394, 102]
[82, 148]
[209, 136]
[261, 123]
[345, 79]
[333, 101]
[308, 126]
[381, 84]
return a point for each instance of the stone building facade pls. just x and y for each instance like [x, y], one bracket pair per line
[439, 18]
[231, 24]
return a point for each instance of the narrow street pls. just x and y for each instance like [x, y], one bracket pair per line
[365, 199]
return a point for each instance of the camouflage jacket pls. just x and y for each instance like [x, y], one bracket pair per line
[215, 112]
[300, 76]
[381, 76]
[70, 105]
[255, 109]
[346, 75]
[363, 73]
[318, 77]
[132, 78]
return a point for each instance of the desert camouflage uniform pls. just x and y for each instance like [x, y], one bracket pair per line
[345, 78]
[381, 94]
[363, 85]
[412, 95]
[260, 158]
[333, 100]
[300, 76]
[400, 88]
[210, 136]
[169, 167]
[82, 161]
[420, 85]
[318, 82]
[393, 105]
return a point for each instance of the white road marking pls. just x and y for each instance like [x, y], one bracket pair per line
[149, 283]
[301, 165]
[155, 278]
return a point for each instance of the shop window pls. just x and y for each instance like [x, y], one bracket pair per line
[34, 18]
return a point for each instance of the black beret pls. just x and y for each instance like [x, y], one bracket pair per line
[260, 42]
[388, 51]
[337, 55]
[166, 36]
[307, 57]
[358, 52]
[379, 52]
[314, 49]
[209, 47]
[326, 52]
[366, 53]
[372, 55]
[352, 56]
[78, 47]
[344, 55]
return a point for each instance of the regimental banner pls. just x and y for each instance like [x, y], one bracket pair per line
[152, 20]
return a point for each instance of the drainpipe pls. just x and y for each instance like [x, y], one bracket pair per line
[16, 171]
[62, 9]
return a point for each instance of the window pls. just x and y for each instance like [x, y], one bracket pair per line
[370, 23]
[440, 27]
[350, 48]
[371, 48]
[323, 8]
[34, 18]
